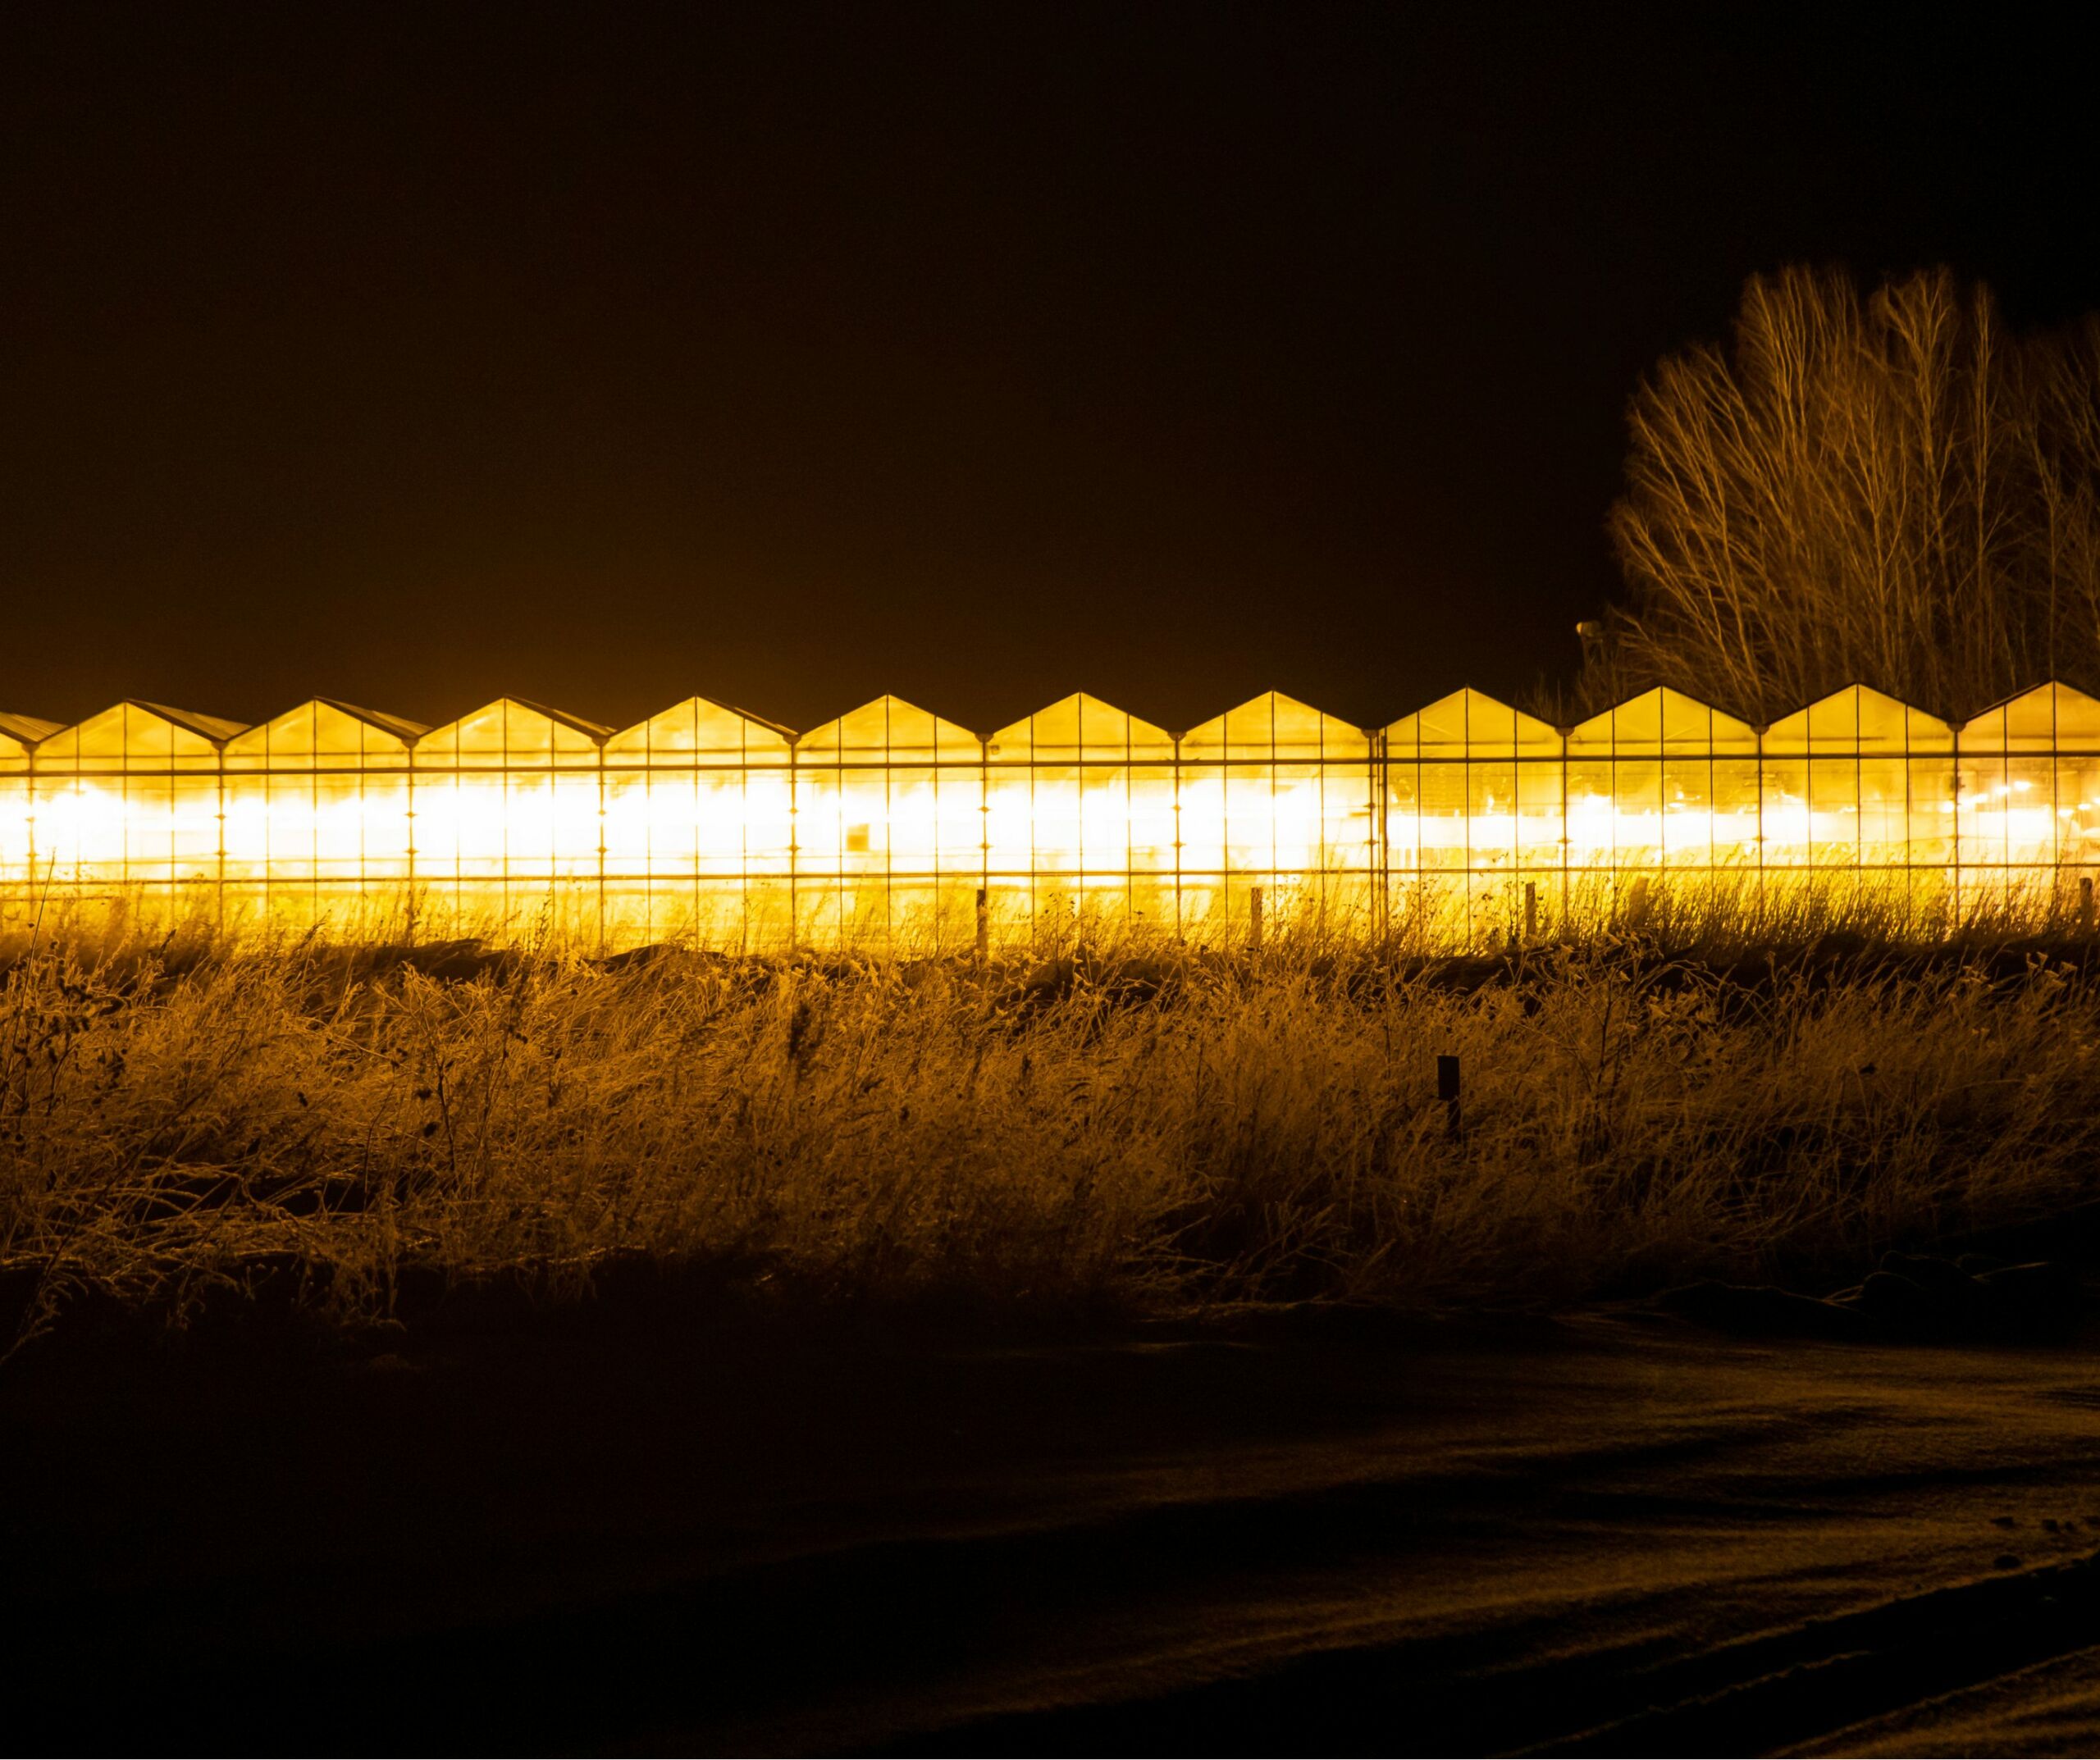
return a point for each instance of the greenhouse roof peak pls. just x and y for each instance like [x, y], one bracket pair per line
[1080, 724]
[1277, 725]
[1856, 718]
[2055, 687]
[889, 723]
[1661, 721]
[2044, 717]
[1469, 720]
[699, 723]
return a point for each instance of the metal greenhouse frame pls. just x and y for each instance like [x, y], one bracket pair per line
[891, 831]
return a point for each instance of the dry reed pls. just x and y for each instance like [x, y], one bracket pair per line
[1147, 1135]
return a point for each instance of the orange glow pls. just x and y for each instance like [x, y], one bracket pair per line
[883, 829]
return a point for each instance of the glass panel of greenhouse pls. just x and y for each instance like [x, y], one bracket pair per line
[1662, 788]
[22, 879]
[699, 831]
[507, 825]
[2029, 800]
[890, 831]
[1859, 802]
[316, 822]
[1080, 827]
[1467, 823]
[1275, 795]
[1473, 821]
[126, 808]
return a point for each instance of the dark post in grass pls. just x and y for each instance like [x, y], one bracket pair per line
[1447, 1090]
[2085, 906]
[1531, 912]
[1254, 920]
[983, 924]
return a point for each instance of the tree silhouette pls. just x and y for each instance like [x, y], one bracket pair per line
[1889, 489]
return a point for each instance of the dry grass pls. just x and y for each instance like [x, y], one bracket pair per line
[1146, 1136]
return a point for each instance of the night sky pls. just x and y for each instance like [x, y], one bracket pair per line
[791, 356]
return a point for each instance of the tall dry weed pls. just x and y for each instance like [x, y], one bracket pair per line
[1145, 1137]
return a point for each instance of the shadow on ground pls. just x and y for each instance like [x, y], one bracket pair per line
[1613, 1532]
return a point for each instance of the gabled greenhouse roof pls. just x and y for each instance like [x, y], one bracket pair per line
[1471, 723]
[26, 730]
[399, 726]
[889, 731]
[322, 727]
[2049, 718]
[145, 735]
[1658, 722]
[213, 727]
[508, 728]
[1080, 729]
[592, 730]
[780, 727]
[1274, 728]
[697, 727]
[1857, 721]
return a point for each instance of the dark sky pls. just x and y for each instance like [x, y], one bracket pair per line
[794, 355]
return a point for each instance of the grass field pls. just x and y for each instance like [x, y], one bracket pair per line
[1131, 1134]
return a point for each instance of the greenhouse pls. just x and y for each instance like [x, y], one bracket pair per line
[890, 830]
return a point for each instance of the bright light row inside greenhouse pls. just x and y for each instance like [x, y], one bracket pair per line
[891, 830]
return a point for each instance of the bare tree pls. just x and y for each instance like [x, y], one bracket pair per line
[1888, 490]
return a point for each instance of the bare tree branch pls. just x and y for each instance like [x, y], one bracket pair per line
[1890, 491]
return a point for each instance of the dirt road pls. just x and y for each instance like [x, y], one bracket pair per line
[1598, 1533]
